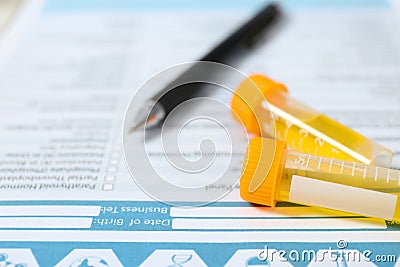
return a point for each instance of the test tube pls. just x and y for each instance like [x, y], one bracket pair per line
[267, 109]
[273, 173]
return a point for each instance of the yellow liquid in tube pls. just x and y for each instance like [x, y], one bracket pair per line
[273, 173]
[340, 172]
[304, 141]
[278, 115]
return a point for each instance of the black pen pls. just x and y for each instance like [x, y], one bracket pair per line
[158, 107]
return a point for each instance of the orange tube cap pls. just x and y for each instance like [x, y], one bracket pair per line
[262, 170]
[249, 94]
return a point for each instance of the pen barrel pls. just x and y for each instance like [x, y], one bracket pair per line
[276, 114]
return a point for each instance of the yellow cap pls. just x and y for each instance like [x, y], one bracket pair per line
[262, 170]
[248, 95]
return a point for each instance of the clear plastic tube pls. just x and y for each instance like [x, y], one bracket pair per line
[267, 109]
[318, 181]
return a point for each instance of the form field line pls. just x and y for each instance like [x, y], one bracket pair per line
[45, 222]
[271, 224]
[49, 210]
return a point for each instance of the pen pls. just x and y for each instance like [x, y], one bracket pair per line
[161, 104]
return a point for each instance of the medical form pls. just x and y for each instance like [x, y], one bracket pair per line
[67, 72]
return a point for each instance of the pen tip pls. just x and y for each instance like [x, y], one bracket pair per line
[136, 127]
[148, 117]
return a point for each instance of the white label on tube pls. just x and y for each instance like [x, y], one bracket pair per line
[352, 199]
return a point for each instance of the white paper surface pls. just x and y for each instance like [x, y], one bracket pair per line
[69, 78]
